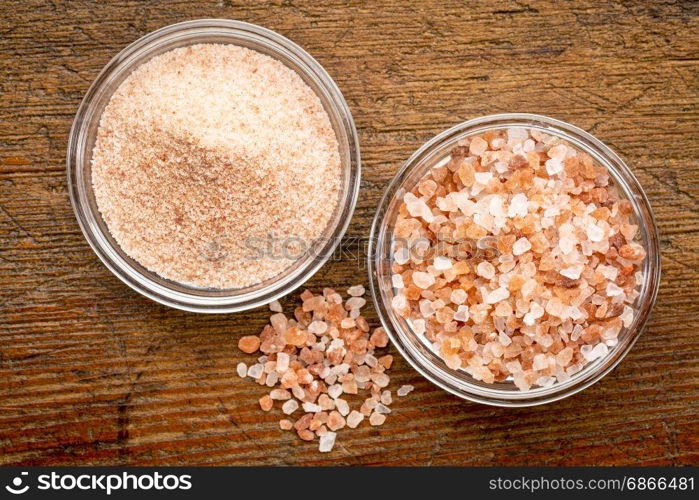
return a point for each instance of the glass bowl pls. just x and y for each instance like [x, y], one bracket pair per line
[82, 140]
[417, 350]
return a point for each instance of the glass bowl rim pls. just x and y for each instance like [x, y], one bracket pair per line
[213, 300]
[460, 385]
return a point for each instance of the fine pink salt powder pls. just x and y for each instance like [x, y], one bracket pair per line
[207, 155]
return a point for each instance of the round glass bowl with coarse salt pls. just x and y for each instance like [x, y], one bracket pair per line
[514, 260]
[196, 154]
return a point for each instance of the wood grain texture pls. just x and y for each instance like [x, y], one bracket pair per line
[93, 373]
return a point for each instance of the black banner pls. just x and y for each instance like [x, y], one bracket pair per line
[266, 482]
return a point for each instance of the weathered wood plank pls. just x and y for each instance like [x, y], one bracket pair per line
[92, 373]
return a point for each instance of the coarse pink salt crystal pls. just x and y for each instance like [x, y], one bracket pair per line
[497, 295]
[535, 312]
[242, 370]
[354, 419]
[462, 313]
[275, 306]
[486, 270]
[613, 290]
[327, 442]
[478, 146]
[404, 390]
[504, 339]
[377, 419]
[423, 279]
[550, 291]
[554, 166]
[594, 233]
[458, 296]
[518, 206]
[401, 256]
[399, 302]
[564, 357]
[355, 303]
[572, 272]
[627, 316]
[356, 291]
[426, 309]
[397, 281]
[520, 246]
[442, 263]
[483, 177]
[419, 326]
[318, 327]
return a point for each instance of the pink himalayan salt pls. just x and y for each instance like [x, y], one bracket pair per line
[562, 233]
[328, 354]
[186, 173]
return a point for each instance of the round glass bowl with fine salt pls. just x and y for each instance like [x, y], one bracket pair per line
[84, 132]
[418, 350]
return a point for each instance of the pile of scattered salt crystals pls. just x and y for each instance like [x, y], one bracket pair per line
[206, 151]
[559, 268]
[318, 362]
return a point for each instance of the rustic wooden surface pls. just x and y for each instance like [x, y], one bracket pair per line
[93, 373]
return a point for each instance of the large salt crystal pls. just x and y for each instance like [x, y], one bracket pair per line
[426, 309]
[402, 256]
[535, 312]
[572, 272]
[613, 290]
[290, 407]
[397, 281]
[318, 327]
[554, 166]
[520, 246]
[520, 381]
[627, 316]
[516, 135]
[540, 362]
[311, 407]
[255, 371]
[496, 207]
[417, 207]
[545, 341]
[442, 263]
[497, 295]
[399, 302]
[558, 152]
[594, 233]
[566, 244]
[423, 279]
[404, 390]
[504, 339]
[518, 206]
[326, 442]
[554, 307]
[419, 326]
[599, 351]
[458, 296]
[545, 381]
[486, 270]
[462, 313]
[483, 178]
[528, 288]
[282, 362]
[501, 167]
[609, 272]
